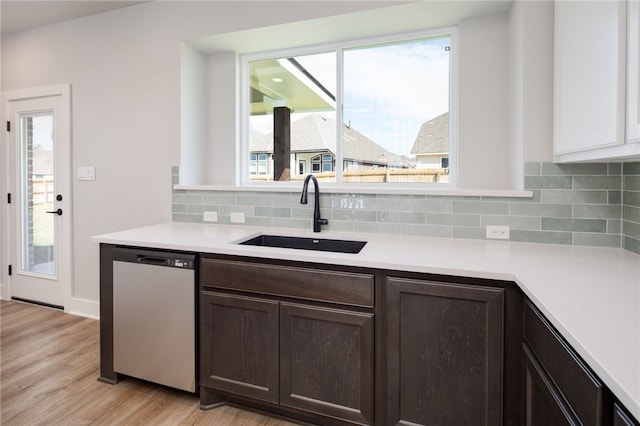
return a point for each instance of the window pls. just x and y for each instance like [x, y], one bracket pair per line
[386, 121]
[259, 164]
[322, 163]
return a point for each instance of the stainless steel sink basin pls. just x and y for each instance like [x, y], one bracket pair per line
[306, 243]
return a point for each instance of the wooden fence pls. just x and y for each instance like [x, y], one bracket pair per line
[42, 190]
[376, 176]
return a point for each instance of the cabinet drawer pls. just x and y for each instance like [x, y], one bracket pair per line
[304, 283]
[583, 391]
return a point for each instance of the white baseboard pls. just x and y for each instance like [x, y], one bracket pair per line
[74, 306]
[4, 291]
[83, 308]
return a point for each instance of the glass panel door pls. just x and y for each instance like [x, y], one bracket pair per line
[37, 186]
[40, 188]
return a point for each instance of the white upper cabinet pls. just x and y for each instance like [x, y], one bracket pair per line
[633, 72]
[595, 81]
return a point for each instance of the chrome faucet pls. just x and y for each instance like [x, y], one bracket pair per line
[317, 221]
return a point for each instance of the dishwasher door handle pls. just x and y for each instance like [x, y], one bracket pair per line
[150, 260]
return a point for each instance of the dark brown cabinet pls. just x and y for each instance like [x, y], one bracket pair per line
[239, 345]
[445, 353]
[545, 406]
[326, 361]
[259, 342]
[621, 417]
[560, 388]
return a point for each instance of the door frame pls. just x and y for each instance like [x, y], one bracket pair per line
[8, 184]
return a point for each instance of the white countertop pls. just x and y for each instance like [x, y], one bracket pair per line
[590, 294]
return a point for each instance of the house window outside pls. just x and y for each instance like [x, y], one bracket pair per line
[322, 163]
[259, 164]
[367, 129]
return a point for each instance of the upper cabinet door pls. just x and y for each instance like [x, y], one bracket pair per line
[590, 84]
[633, 72]
[589, 75]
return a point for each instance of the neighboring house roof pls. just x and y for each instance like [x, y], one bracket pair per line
[433, 136]
[315, 133]
[359, 147]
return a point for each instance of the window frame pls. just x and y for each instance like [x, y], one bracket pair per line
[244, 132]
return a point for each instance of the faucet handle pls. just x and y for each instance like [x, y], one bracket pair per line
[323, 221]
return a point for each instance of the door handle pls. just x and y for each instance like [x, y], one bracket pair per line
[58, 212]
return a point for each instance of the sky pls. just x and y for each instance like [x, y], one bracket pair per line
[389, 90]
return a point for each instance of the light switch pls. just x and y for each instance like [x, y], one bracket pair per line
[86, 173]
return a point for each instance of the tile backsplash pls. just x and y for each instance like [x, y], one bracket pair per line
[591, 204]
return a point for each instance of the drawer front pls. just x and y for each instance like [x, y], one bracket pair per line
[544, 405]
[304, 283]
[583, 391]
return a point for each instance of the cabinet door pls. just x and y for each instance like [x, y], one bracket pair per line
[544, 405]
[239, 345]
[622, 418]
[633, 72]
[445, 353]
[578, 385]
[589, 77]
[326, 361]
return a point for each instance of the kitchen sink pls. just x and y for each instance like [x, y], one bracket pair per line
[306, 243]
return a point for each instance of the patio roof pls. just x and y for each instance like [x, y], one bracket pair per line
[285, 82]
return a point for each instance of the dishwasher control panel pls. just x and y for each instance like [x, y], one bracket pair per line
[156, 258]
[180, 263]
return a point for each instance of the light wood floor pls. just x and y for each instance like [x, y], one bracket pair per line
[49, 365]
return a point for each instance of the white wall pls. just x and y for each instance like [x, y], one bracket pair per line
[506, 98]
[124, 71]
[222, 118]
[483, 157]
[193, 116]
[537, 83]
[531, 85]
[516, 93]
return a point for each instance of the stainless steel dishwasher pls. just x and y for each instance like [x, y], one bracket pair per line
[154, 316]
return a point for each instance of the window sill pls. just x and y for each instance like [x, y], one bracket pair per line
[327, 188]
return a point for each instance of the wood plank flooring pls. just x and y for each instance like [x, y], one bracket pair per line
[49, 366]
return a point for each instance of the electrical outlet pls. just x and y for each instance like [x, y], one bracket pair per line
[497, 232]
[210, 216]
[237, 217]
